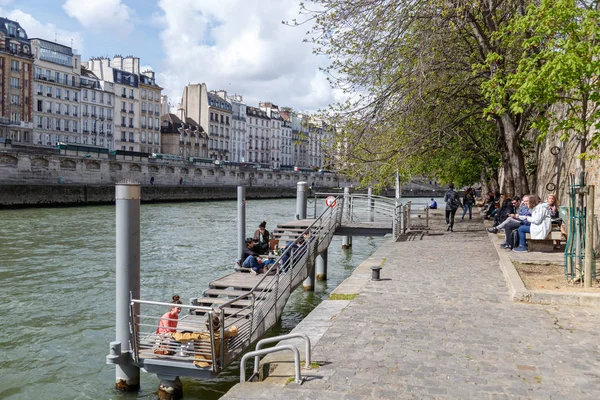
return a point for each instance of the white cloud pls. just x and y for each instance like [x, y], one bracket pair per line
[102, 15]
[36, 29]
[241, 46]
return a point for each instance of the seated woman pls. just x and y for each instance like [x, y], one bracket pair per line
[539, 220]
[262, 236]
[166, 328]
[168, 322]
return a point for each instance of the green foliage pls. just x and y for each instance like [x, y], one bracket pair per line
[560, 65]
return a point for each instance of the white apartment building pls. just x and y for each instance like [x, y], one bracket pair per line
[97, 111]
[287, 160]
[129, 83]
[238, 128]
[300, 139]
[150, 110]
[219, 135]
[257, 136]
[275, 137]
[56, 93]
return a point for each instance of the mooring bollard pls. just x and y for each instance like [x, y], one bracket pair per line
[375, 272]
[241, 199]
[127, 196]
[301, 200]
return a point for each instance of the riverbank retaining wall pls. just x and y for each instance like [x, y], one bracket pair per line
[66, 195]
[29, 177]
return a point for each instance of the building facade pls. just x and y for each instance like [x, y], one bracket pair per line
[129, 84]
[275, 134]
[286, 146]
[258, 132]
[300, 139]
[16, 69]
[150, 109]
[219, 126]
[186, 139]
[57, 93]
[238, 128]
[97, 111]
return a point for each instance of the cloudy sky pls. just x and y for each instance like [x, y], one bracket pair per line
[237, 45]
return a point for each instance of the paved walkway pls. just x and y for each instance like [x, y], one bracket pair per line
[441, 326]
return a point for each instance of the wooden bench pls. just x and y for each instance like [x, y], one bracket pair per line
[546, 244]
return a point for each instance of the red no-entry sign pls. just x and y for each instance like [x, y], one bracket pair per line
[330, 201]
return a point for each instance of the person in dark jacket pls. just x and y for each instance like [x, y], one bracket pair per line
[452, 204]
[468, 201]
[508, 207]
[262, 236]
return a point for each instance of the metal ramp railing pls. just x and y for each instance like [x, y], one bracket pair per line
[371, 209]
[244, 315]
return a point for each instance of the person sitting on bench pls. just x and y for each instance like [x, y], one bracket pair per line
[540, 223]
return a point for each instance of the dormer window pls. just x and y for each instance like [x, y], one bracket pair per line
[12, 30]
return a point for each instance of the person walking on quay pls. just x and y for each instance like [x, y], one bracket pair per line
[468, 201]
[452, 204]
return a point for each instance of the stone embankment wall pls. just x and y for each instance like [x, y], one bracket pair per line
[552, 156]
[28, 178]
[57, 195]
[26, 168]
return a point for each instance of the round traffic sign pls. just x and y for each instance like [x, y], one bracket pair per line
[330, 201]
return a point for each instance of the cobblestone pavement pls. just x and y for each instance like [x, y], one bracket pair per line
[441, 326]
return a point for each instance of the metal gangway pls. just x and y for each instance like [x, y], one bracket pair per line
[244, 306]
[369, 214]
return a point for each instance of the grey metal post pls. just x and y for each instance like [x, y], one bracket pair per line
[322, 266]
[241, 200]
[347, 240]
[127, 196]
[589, 237]
[371, 204]
[301, 200]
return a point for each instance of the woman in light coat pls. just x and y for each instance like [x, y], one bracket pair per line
[540, 220]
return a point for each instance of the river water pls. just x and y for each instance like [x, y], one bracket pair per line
[57, 287]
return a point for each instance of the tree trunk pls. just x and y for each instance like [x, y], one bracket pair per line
[508, 184]
[516, 160]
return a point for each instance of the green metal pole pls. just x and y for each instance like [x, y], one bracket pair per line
[589, 237]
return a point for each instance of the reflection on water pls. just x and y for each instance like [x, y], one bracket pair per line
[57, 271]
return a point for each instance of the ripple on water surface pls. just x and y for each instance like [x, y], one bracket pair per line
[57, 271]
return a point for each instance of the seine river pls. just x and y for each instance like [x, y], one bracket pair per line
[57, 285]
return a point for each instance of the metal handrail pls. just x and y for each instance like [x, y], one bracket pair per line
[275, 349]
[277, 262]
[273, 339]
